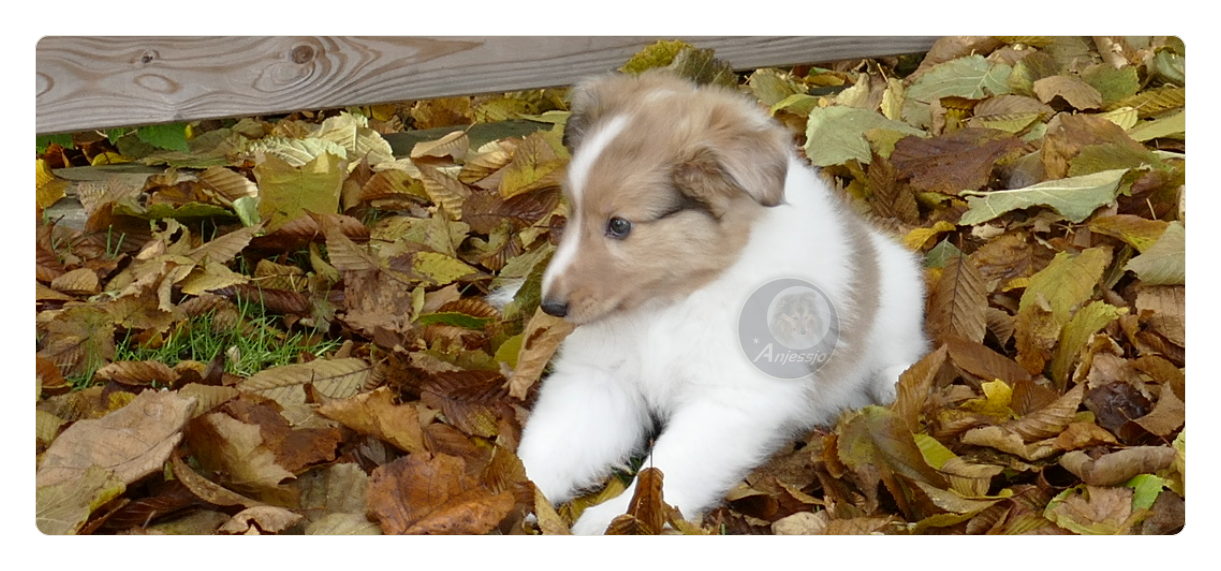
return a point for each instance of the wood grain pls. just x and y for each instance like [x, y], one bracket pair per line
[101, 82]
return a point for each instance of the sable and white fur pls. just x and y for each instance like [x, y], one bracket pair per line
[717, 204]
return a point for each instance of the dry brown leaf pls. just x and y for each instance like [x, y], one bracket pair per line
[227, 183]
[206, 489]
[64, 507]
[81, 281]
[890, 198]
[1035, 332]
[225, 445]
[949, 164]
[542, 336]
[472, 401]
[261, 519]
[333, 378]
[137, 373]
[444, 189]
[647, 512]
[454, 145]
[376, 414]
[957, 302]
[222, 249]
[1067, 134]
[49, 377]
[1071, 89]
[1050, 420]
[79, 339]
[1167, 415]
[979, 360]
[549, 520]
[423, 494]
[1119, 466]
[914, 386]
[343, 524]
[1079, 435]
[1167, 305]
[1008, 441]
[1093, 509]
[132, 442]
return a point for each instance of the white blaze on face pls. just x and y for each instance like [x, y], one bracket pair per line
[578, 174]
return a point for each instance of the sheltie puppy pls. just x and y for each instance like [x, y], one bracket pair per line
[692, 220]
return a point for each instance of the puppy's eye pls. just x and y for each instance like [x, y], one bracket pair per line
[618, 228]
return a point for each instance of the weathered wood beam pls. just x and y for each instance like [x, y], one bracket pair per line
[100, 82]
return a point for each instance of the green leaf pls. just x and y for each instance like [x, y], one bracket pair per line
[454, 318]
[1146, 488]
[247, 209]
[940, 254]
[1086, 322]
[1164, 263]
[797, 104]
[287, 191]
[972, 77]
[659, 54]
[171, 136]
[1076, 197]
[41, 142]
[835, 135]
[934, 452]
[1067, 281]
[1113, 84]
[1111, 156]
[1173, 127]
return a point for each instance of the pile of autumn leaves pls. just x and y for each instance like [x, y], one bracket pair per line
[1053, 403]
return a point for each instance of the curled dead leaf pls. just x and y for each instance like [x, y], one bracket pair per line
[1119, 466]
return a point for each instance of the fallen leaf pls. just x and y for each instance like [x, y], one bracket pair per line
[1091, 510]
[131, 442]
[261, 519]
[835, 135]
[63, 508]
[1073, 90]
[1119, 466]
[542, 336]
[1164, 263]
[423, 494]
[376, 414]
[1076, 198]
[334, 378]
[957, 302]
[962, 160]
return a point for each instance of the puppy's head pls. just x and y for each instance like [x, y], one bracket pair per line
[664, 183]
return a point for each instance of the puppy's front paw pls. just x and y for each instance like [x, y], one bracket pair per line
[597, 518]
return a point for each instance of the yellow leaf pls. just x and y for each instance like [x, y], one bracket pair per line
[49, 188]
[917, 238]
[439, 268]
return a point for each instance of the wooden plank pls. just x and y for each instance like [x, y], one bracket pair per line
[101, 82]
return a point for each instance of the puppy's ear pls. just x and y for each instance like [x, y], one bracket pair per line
[585, 102]
[753, 163]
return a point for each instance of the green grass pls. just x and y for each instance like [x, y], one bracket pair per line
[255, 342]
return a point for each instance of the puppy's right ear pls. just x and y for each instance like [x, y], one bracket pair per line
[582, 101]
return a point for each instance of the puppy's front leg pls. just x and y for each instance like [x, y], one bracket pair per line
[583, 424]
[704, 450]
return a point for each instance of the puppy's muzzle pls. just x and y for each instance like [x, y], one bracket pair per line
[555, 307]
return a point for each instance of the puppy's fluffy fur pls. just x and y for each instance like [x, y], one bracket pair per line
[683, 201]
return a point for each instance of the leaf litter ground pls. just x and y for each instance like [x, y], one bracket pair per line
[282, 328]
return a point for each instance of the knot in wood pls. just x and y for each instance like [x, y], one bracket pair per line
[303, 54]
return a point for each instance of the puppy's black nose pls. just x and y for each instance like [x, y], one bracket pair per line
[554, 307]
